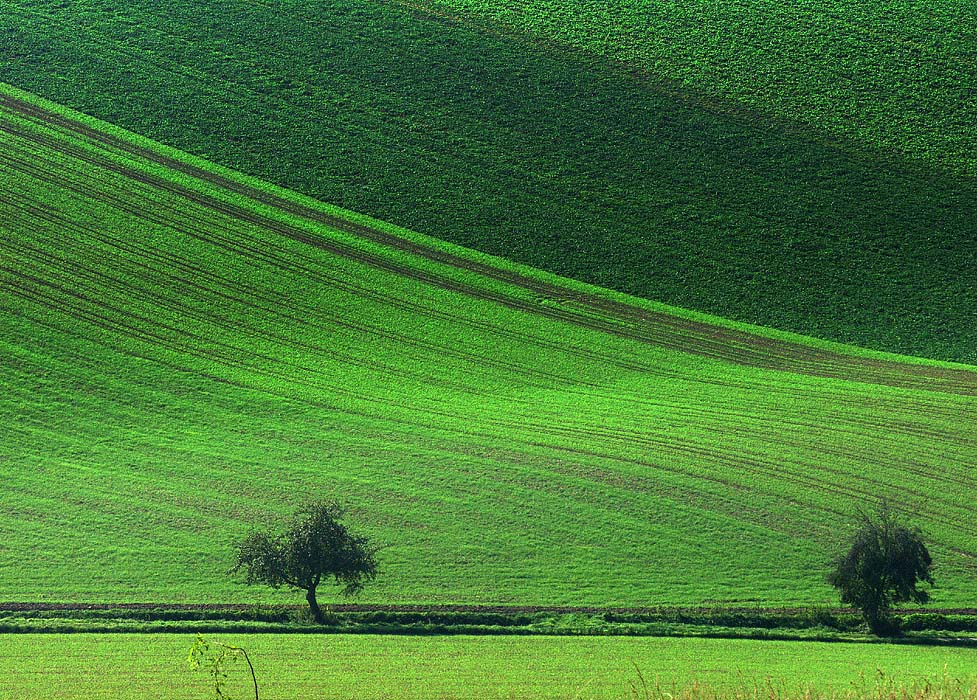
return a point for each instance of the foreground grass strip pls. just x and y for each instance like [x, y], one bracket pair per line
[188, 352]
[135, 666]
[807, 168]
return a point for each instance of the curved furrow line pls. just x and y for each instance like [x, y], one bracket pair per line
[168, 337]
[482, 360]
[664, 445]
[151, 213]
[477, 365]
[286, 341]
[191, 344]
[461, 425]
[698, 337]
[667, 341]
[838, 474]
[792, 471]
[845, 491]
[734, 497]
[878, 454]
[880, 423]
[200, 344]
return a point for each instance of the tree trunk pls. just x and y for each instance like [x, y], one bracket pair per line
[314, 606]
[880, 622]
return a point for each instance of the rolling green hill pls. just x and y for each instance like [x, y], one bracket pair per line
[807, 167]
[188, 352]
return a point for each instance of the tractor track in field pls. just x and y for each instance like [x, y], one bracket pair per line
[753, 470]
[143, 206]
[148, 210]
[347, 252]
[150, 213]
[149, 275]
[191, 272]
[579, 308]
[232, 355]
[276, 309]
[745, 463]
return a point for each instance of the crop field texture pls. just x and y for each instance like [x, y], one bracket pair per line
[805, 166]
[188, 354]
[415, 668]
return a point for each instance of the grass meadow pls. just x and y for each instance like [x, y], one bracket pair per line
[193, 342]
[189, 350]
[190, 353]
[515, 668]
[802, 167]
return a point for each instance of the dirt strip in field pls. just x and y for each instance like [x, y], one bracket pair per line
[584, 309]
[449, 608]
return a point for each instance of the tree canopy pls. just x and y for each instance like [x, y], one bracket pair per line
[315, 546]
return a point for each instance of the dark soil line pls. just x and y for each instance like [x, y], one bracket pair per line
[619, 318]
[458, 608]
[395, 301]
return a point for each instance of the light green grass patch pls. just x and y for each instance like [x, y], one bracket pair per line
[124, 666]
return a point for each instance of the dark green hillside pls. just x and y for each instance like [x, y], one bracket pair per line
[185, 354]
[779, 177]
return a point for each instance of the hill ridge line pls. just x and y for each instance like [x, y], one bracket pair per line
[572, 306]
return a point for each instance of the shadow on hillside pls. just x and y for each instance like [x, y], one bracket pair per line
[540, 155]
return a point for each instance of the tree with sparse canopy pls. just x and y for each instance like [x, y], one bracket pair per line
[885, 565]
[315, 546]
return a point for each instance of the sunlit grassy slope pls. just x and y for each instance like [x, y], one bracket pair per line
[805, 166]
[188, 354]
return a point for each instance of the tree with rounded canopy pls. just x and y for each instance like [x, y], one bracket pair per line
[315, 546]
[885, 565]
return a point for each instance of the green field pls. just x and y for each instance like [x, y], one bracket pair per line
[894, 77]
[334, 666]
[189, 353]
[807, 167]
[603, 321]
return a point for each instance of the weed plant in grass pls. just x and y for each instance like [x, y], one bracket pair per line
[127, 666]
[803, 167]
[188, 353]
